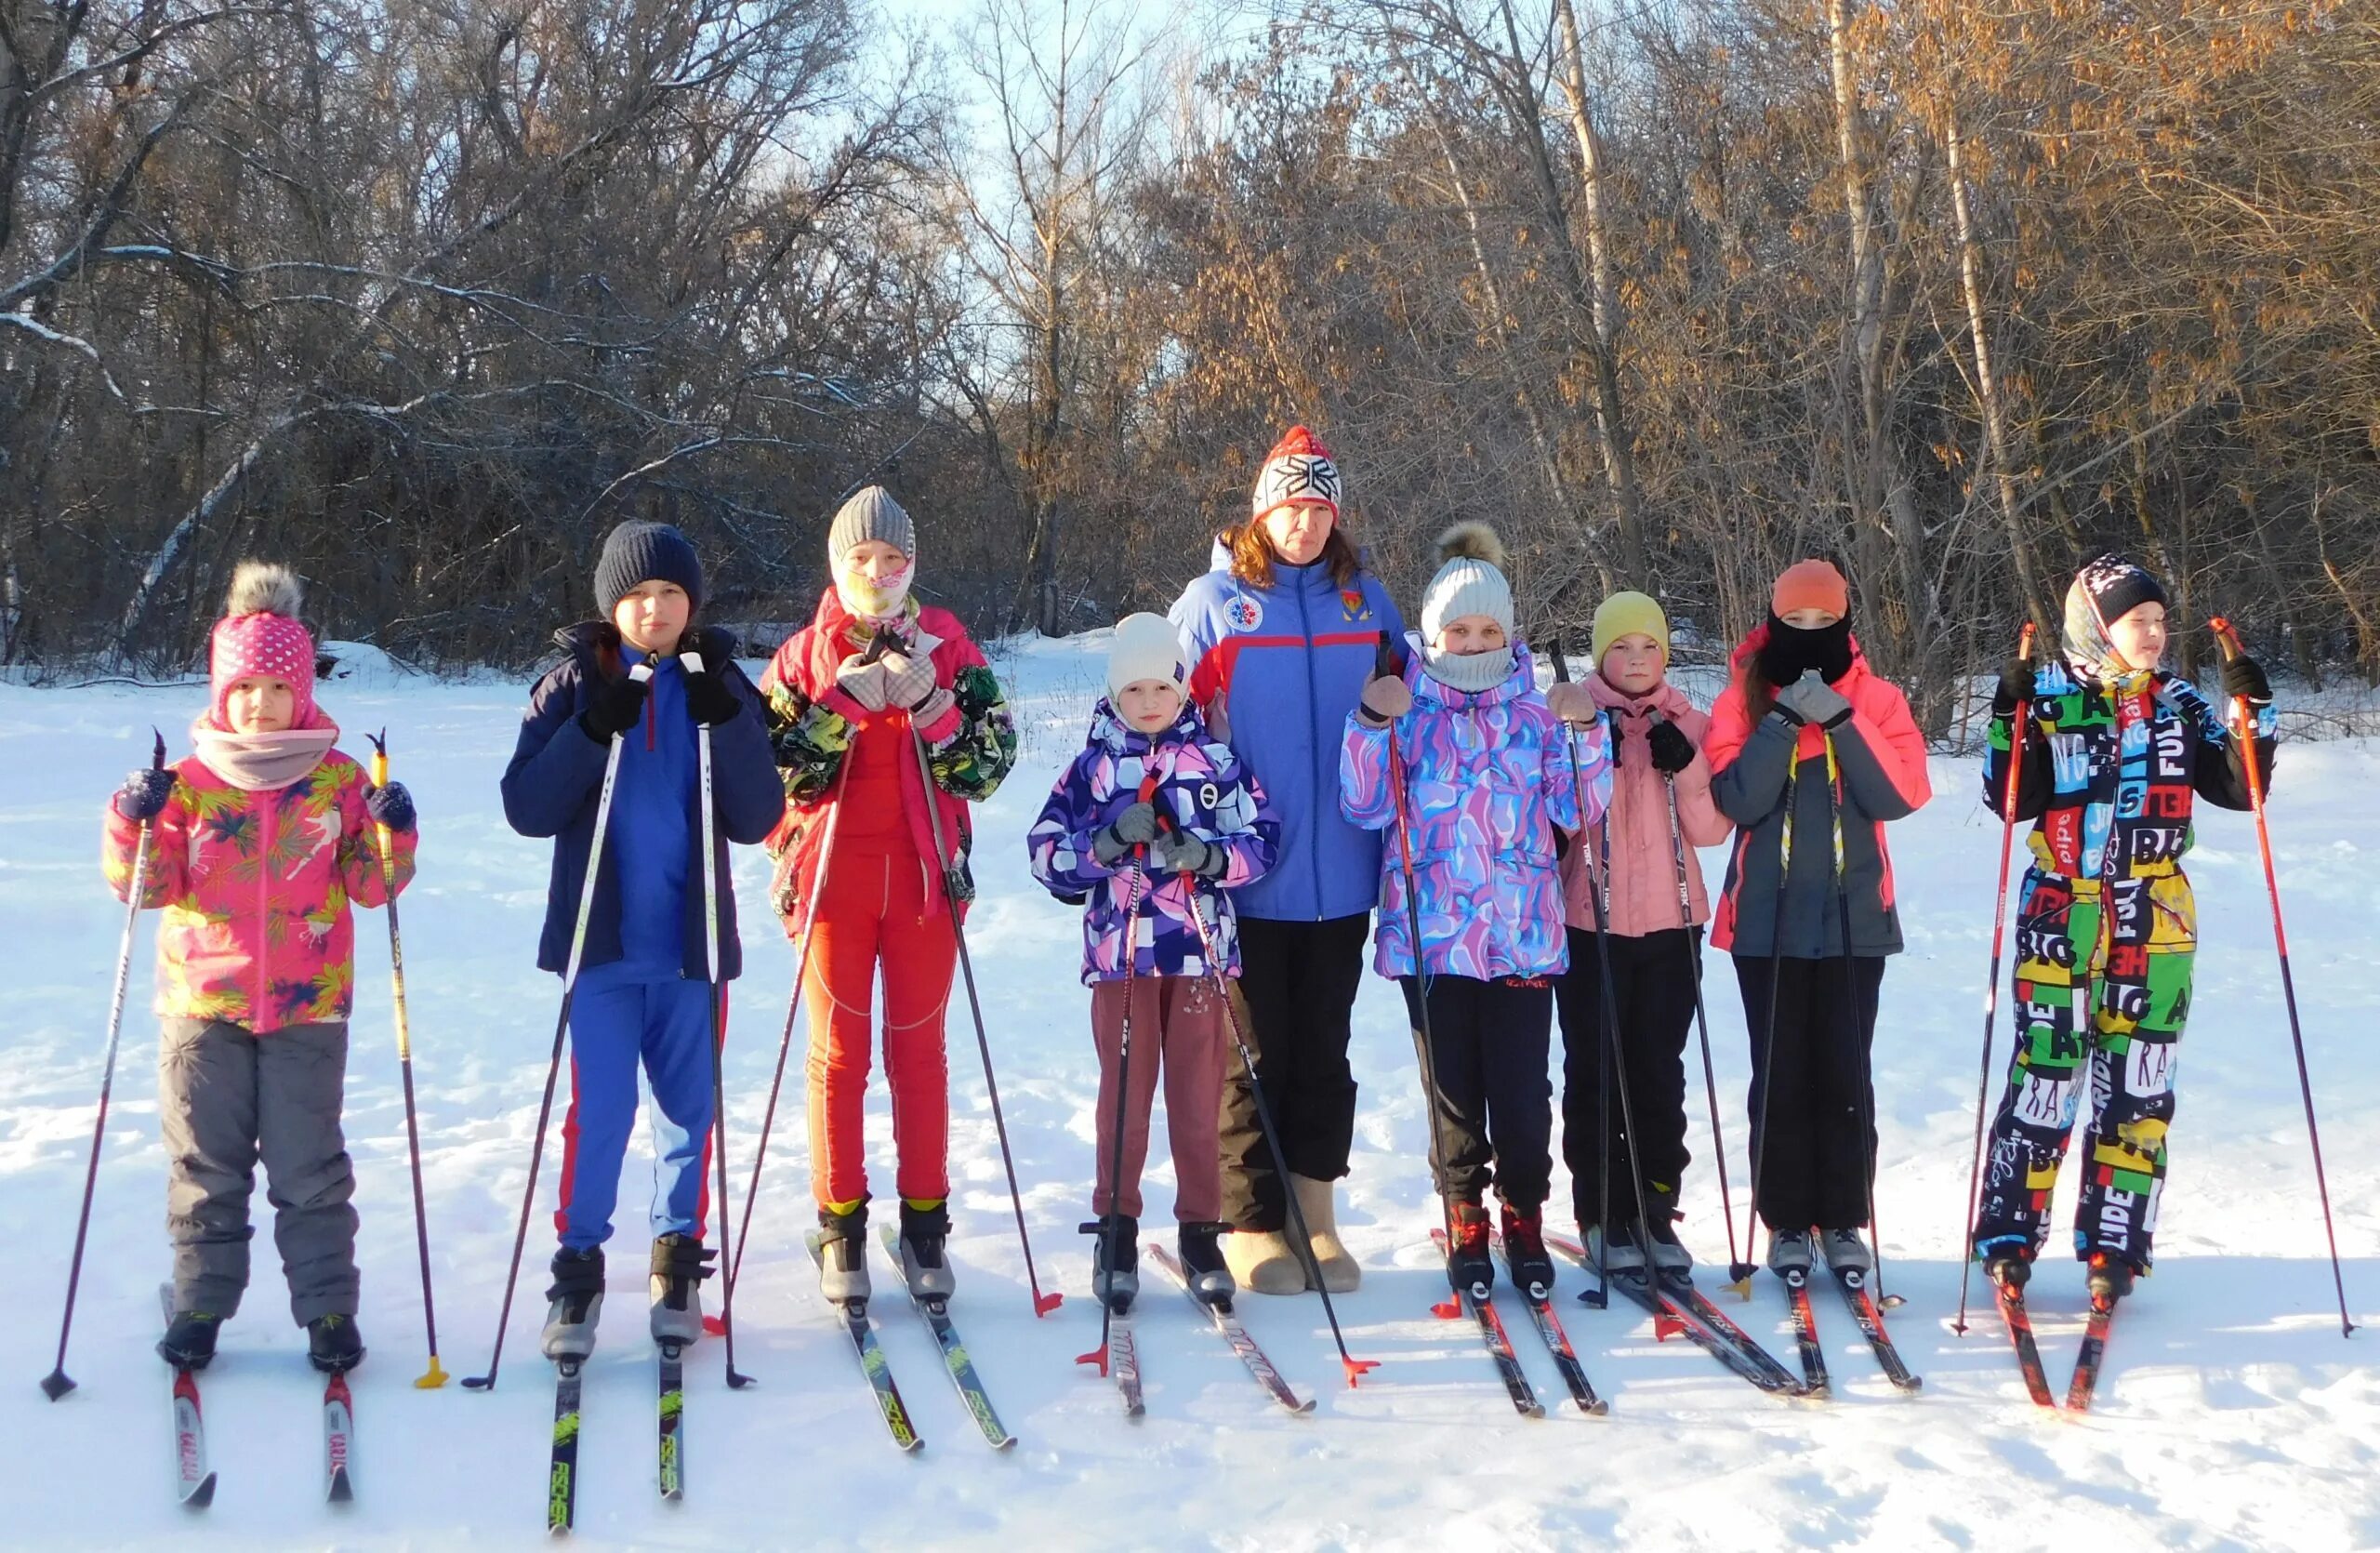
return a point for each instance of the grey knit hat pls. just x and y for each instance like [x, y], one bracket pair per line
[641, 551]
[1471, 581]
[871, 514]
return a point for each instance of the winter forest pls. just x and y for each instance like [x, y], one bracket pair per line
[423, 296]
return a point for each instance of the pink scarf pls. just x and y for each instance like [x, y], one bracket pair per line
[263, 762]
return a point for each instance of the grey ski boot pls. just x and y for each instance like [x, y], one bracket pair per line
[577, 1297]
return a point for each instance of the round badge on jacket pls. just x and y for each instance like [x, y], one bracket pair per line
[1243, 613]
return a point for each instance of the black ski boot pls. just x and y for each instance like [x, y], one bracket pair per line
[577, 1305]
[923, 1232]
[1202, 1262]
[2110, 1279]
[1525, 1253]
[332, 1344]
[842, 1247]
[1119, 1284]
[680, 1265]
[2006, 1263]
[189, 1343]
[1470, 1267]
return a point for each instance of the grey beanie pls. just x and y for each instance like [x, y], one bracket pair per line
[1471, 581]
[642, 552]
[871, 514]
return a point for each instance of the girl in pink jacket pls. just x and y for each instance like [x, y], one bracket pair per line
[1640, 859]
[257, 842]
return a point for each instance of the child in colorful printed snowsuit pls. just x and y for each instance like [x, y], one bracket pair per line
[643, 990]
[1660, 811]
[1485, 776]
[858, 880]
[2115, 750]
[1805, 731]
[1154, 822]
[258, 841]
[1281, 632]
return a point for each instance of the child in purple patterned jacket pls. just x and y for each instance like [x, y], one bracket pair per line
[1486, 777]
[1149, 826]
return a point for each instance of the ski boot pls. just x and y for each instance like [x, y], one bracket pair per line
[577, 1297]
[1846, 1251]
[1525, 1253]
[680, 1265]
[1119, 1284]
[332, 1344]
[923, 1231]
[2110, 1279]
[1788, 1252]
[2008, 1264]
[843, 1249]
[1672, 1261]
[1615, 1250]
[189, 1343]
[1469, 1268]
[1202, 1260]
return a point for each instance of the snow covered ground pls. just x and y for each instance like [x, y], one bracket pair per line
[2231, 1414]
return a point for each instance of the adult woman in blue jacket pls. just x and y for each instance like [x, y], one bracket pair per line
[1283, 633]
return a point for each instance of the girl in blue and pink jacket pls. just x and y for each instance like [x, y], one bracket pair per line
[1486, 776]
[1149, 826]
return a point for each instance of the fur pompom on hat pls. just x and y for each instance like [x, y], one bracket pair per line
[260, 635]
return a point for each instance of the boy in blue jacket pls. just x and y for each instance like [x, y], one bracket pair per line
[643, 988]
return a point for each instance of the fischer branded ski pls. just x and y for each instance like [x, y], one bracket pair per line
[561, 1471]
[1805, 1335]
[672, 1419]
[195, 1482]
[872, 1363]
[1227, 1323]
[1870, 1320]
[339, 1440]
[955, 1357]
[2021, 1333]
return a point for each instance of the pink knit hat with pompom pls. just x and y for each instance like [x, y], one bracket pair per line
[260, 634]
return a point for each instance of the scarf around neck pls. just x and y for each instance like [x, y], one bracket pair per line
[262, 763]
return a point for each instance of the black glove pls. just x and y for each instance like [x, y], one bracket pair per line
[1135, 827]
[1672, 751]
[710, 699]
[389, 805]
[614, 709]
[2244, 677]
[144, 794]
[2016, 685]
[1177, 851]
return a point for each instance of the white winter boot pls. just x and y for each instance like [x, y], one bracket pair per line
[1262, 1262]
[1340, 1272]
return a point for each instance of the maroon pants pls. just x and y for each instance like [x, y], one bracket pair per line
[1177, 1028]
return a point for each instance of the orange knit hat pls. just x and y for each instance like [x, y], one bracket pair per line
[1810, 585]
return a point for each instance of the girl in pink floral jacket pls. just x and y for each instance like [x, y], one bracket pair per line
[257, 842]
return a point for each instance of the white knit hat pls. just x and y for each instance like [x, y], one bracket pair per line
[1471, 581]
[1299, 469]
[1146, 647]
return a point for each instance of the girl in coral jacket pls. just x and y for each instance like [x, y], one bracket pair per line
[260, 841]
[2113, 752]
[1487, 777]
[857, 869]
[1805, 729]
[1662, 810]
[1152, 826]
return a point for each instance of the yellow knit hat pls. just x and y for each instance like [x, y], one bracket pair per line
[1626, 614]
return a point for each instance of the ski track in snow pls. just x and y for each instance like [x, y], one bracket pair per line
[2230, 1414]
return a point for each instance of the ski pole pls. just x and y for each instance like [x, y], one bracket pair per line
[642, 672]
[2245, 734]
[435, 1376]
[1598, 896]
[1110, 1229]
[714, 1324]
[1701, 1017]
[1349, 1365]
[56, 1384]
[692, 663]
[1741, 1273]
[1383, 664]
[953, 896]
[2019, 729]
[1861, 1012]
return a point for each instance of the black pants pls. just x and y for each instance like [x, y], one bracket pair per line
[1652, 991]
[1820, 1150]
[1295, 993]
[1494, 1124]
